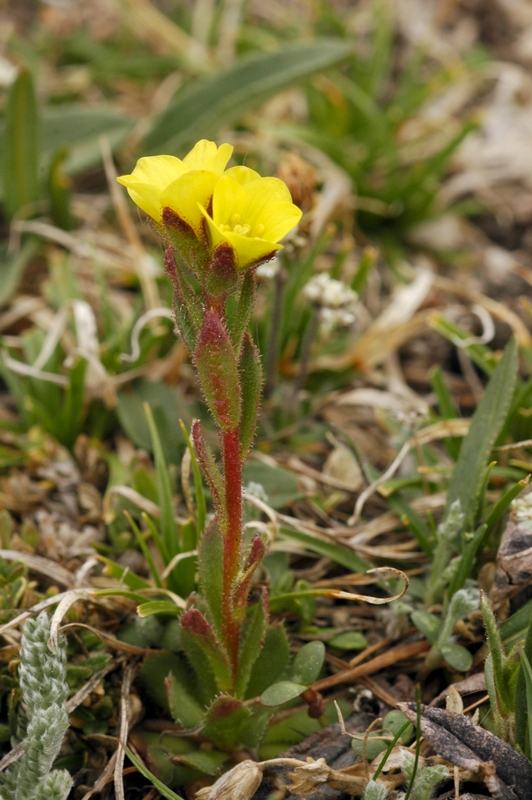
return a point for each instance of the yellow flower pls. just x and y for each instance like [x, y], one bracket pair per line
[250, 213]
[182, 185]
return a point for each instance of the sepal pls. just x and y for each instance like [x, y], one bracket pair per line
[184, 239]
[222, 277]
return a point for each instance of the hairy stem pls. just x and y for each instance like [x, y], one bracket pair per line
[232, 540]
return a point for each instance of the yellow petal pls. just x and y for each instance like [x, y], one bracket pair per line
[188, 193]
[248, 249]
[243, 175]
[147, 198]
[229, 198]
[206, 155]
[149, 178]
[278, 220]
[261, 193]
[158, 171]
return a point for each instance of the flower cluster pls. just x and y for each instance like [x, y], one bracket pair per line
[335, 300]
[231, 207]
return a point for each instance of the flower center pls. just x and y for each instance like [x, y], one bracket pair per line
[236, 226]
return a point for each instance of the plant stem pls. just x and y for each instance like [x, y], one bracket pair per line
[232, 540]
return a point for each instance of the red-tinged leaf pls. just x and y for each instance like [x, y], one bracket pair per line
[218, 372]
[255, 556]
[196, 630]
[210, 469]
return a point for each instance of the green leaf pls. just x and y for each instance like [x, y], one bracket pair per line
[336, 552]
[350, 640]
[271, 662]
[501, 507]
[124, 575]
[282, 692]
[196, 632]
[254, 634]
[428, 624]
[210, 559]
[158, 607]
[308, 663]
[208, 762]
[218, 372]
[185, 708]
[239, 312]
[251, 382]
[159, 785]
[457, 657]
[373, 748]
[21, 146]
[166, 410]
[155, 670]
[281, 485]
[204, 107]
[199, 493]
[465, 563]
[226, 718]
[487, 421]
[79, 128]
[515, 627]
[523, 698]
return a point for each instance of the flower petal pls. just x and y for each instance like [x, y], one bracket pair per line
[262, 192]
[278, 220]
[243, 175]
[248, 249]
[229, 198]
[157, 171]
[188, 193]
[206, 155]
[149, 178]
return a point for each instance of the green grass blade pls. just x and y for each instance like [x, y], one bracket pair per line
[164, 490]
[336, 552]
[487, 421]
[154, 572]
[21, 146]
[202, 108]
[501, 507]
[159, 785]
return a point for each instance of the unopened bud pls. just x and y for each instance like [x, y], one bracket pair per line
[240, 783]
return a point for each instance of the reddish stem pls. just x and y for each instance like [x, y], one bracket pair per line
[232, 540]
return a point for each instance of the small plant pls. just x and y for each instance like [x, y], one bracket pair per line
[219, 225]
[42, 675]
